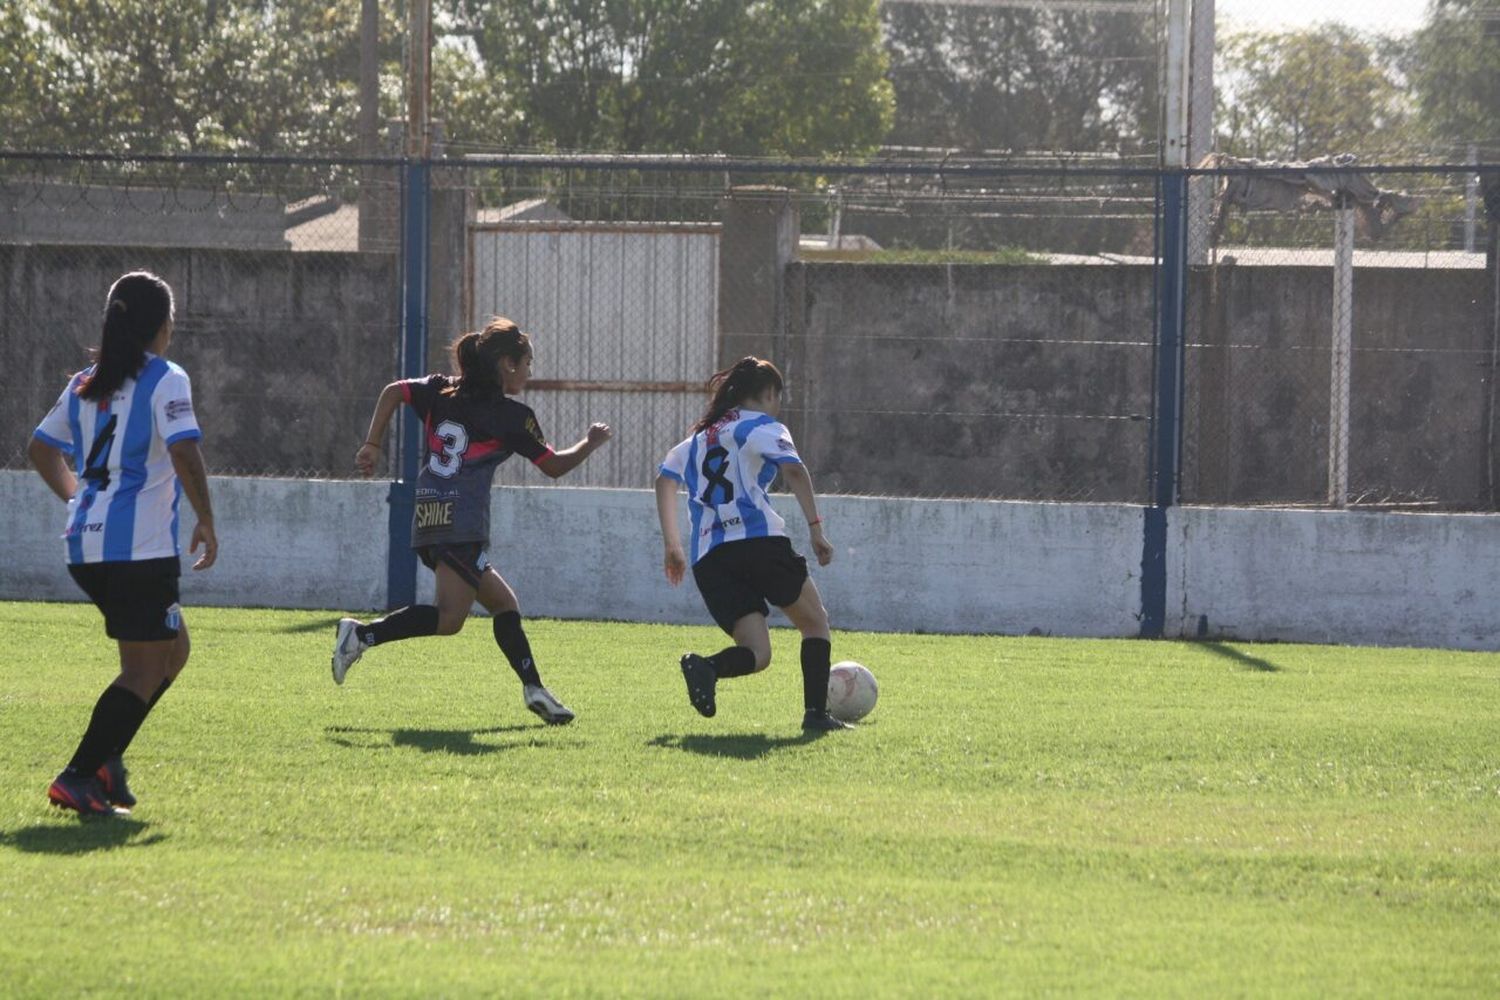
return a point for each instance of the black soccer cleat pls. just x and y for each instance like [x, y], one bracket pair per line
[822, 722]
[111, 777]
[701, 681]
[82, 795]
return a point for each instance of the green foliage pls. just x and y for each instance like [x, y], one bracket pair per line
[188, 76]
[1015, 78]
[781, 77]
[1453, 63]
[778, 78]
[1019, 816]
[1307, 93]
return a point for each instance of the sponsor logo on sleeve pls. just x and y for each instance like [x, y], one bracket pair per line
[535, 430]
[177, 409]
[784, 443]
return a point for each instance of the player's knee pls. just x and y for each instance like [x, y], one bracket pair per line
[180, 653]
[450, 624]
[762, 659]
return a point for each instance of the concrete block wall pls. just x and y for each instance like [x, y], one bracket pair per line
[1335, 576]
[902, 564]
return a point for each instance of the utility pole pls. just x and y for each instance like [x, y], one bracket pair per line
[369, 78]
[1174, 148]
[419, 78]
[1200, 133]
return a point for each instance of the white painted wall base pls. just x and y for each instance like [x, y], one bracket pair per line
[903, 565]
[1335, 576]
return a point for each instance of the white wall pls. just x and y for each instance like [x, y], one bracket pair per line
[1335, 576]
[903, 565]
[933, 565]
[282, 543]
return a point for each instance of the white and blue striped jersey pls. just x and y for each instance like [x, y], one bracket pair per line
[727, 470]
[128, 494]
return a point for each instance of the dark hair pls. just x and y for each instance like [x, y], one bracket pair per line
[477, 355]
[138, 304]
[746, 379]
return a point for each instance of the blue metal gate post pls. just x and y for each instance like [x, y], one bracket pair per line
[1166, 416]
[401, 574]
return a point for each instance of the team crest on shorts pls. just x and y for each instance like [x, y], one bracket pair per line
[174, 618]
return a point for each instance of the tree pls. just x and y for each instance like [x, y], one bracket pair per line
[776, 77]
[1454, 66]
[191, 75]
[1307, 93]
[772, 77]
[1021, 78]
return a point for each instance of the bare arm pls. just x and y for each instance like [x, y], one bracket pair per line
[799, 481]
[52, 465]
[187, 461]
[385, 407]
[560, 463]
[673, 561]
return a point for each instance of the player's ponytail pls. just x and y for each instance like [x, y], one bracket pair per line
[476, 356]
[139, 304]
[747, 378]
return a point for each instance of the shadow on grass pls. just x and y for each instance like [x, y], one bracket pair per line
[81, 836]
[317, 625]
[1244, 659]
[455, 741]
[741, 746]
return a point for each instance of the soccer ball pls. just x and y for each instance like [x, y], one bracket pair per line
[851, 691]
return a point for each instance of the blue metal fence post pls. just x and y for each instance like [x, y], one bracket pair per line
[401, 576]
[1166, 416]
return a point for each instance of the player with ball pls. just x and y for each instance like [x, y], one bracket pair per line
[739, 552]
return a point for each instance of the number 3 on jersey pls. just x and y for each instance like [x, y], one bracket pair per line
[455, 441]
[715, 464]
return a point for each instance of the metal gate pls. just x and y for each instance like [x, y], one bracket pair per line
[624, 319]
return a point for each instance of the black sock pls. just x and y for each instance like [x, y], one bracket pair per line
[118, 711]
[736, 661]
[815, 656]
[511, 639]
[161, 690]
[407, 623]
[127, 736]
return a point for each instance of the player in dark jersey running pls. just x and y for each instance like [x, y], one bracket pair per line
[741, 556]
[470, 425]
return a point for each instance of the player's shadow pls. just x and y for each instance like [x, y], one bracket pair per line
[460, 742]
[1244, 659]
[740, 746]
[81, 836]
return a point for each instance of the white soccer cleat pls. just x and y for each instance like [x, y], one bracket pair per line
[551, 711]
[347, 648]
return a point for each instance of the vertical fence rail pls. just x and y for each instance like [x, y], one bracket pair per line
[1166, 417]
[1341, 357]
[401, 578]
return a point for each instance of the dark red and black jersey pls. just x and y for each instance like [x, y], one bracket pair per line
[466, 438]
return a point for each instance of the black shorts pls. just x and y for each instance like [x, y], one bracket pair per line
[138, 599]
[738, 578]
[467, 559]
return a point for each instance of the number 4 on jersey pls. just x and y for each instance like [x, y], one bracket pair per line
[96, 468]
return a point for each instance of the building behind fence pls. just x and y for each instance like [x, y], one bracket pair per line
[947, 329]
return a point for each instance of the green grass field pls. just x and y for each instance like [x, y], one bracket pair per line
[1019, 816]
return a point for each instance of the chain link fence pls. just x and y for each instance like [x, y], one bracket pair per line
[948, 328]
[1341, 340]
[287, 332]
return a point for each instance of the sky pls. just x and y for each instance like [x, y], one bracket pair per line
[1371, 15]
